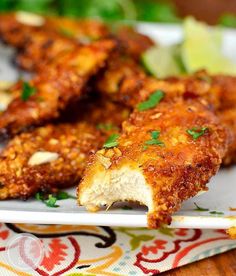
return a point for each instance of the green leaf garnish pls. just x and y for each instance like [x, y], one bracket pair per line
[27, 91]
[196, 132]
[66, 32]
[216, 213]
[154, 141]
[155, 134]
[205, 78]
[106, 126]
[64, 195]
[39, 196]
[200, 209]
[51, 201]
[111, 141]
[152, 101]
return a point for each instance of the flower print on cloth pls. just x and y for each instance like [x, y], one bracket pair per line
[90, 250]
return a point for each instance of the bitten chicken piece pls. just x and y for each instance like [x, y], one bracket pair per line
[51, 91]
[49, 157]
[163, 156]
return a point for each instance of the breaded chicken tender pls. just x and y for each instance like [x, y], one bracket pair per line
[49, 157]
[54, 156]
[130, 86]
[51, 91]
[163, 156]
[43, 42]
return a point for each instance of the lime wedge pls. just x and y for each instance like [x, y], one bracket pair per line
[161, 62]
[201, 49]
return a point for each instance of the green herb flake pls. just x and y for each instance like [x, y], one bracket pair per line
[155, 134]
[126, 207]
[205, 78]
[51, 201]
[111, 141]
[64, 195]
[200, 209]
[216, 213]
[66, 32]
[39, 196]
[106, 126]
[154, 141]
[196, 132]
[27, 91]
[152, 101]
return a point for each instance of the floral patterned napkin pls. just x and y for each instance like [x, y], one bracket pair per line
[90, 250]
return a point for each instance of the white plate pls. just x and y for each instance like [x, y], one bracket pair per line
[220, 198]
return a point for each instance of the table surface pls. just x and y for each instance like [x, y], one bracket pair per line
[219, 265]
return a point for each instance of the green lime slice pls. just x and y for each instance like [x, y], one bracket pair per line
[161, 62]
[201, 49]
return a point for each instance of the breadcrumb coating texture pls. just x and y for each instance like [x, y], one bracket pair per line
[72, 143]
[175, 171]
[61, 83]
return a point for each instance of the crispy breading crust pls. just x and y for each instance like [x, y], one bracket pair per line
[73, 143]
[41, 44]
[59, 84]
[173, 173]
[134, 42]
[219, 91]
[118, 69]
[225, 89]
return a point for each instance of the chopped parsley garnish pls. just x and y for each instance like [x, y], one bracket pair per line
[216, 213]
[126, 207]
[50, 200]
[154, 141]
[106, 126]
[152, 101]
[66, 32]
[196, 132]
[27, 91]
[64, 195]
[111, 141]
[200, 209]
[205, 78]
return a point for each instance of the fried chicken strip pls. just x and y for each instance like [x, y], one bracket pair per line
[54, 156]
[49, 157]
[130, 85]
[45, 41]
[52, 90]
[156, 162]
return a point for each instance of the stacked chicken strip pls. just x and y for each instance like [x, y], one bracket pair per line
[171, 136]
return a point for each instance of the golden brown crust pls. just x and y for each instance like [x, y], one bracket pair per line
[43, 43]
[176, 171]
[225, 87]
[219, 91]
[133, 42]
[72, 143]
[60, 83]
